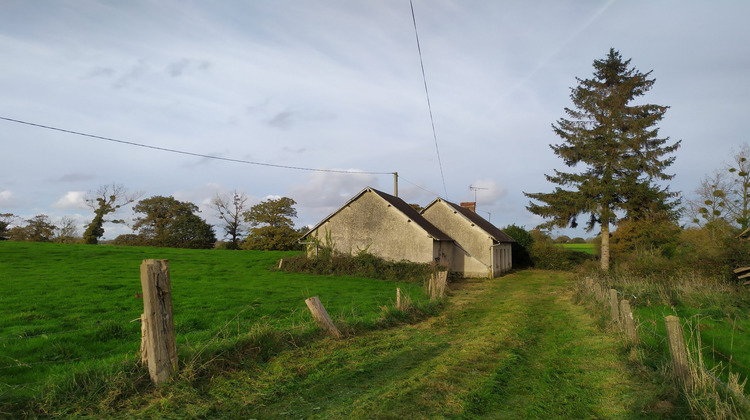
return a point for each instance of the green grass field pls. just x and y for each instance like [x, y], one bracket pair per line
[587, 248]
[68, 310]
[513, 347]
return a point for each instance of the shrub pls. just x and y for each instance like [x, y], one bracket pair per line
[362, 264]
[548, 256]
[521, 249]
[129, 239]
[646, 234]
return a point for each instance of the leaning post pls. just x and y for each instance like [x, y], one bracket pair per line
[677, 350]
[628, 321]
[321, 316]
[613, 306]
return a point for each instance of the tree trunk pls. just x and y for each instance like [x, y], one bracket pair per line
[605, 246]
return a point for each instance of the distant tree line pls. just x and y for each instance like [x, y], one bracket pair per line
[167, 222]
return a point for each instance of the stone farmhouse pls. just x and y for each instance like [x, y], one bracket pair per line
[488, 245]
[386, 226]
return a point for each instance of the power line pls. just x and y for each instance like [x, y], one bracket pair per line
[427, 94]
[419, 186]
[182, 152]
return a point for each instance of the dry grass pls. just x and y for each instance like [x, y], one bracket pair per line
[688, 293]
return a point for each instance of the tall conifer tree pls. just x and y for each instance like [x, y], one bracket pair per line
[618, 148]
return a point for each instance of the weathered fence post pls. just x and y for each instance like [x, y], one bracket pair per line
[614, 310]
[144, 341]
[321, 316]
[281, 262]
[158, 344]
[399, 304]
[677, 350]
[627, 320]
[438, 284]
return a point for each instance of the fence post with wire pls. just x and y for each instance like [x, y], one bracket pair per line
[158, 345]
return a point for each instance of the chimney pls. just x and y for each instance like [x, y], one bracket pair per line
[471, 205]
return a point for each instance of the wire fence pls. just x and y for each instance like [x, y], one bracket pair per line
[248, 317]
[660, 349]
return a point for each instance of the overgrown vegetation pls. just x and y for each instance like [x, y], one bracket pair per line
[716, 315]
[536, 249]
[361, 264]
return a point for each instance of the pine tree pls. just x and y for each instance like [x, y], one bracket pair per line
[618, 146]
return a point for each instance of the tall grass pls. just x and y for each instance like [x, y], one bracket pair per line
[716, 313]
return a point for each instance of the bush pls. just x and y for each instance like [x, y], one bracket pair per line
[362, 264]
[644, 235]
[129, 239]
[548, 256]
[521, 249]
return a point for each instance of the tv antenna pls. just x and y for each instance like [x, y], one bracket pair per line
[473, 188]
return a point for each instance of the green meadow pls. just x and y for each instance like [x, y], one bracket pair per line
[71, 310]
[587, 248]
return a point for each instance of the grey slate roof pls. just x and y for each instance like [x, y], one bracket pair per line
[479, 221]
[399, 205]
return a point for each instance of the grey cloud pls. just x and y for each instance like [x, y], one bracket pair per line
[76, 177]
[282, 120]
[183, 66]
[101, 72]
[136, 72]
[177, 68]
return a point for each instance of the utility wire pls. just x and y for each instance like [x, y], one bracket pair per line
[182, 152]
[419, 186]
[427, 94]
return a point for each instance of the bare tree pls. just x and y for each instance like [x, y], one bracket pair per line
[229, 208]
[724, 195]
[739, 190]
[710, 202]
[66, 231]
[106, 200]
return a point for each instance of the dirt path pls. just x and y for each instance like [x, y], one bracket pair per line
[514, 347]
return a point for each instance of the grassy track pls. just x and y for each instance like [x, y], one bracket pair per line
[515, 347]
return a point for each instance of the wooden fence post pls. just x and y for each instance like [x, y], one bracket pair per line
[321, 316]
[437, 285]
[398, 299]
[158, 344]
[442, 283]
[614, 310]
[144, 341]
[677, 350]
[627, 320]
[281, 262]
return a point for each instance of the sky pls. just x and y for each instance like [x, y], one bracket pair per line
[337, 85]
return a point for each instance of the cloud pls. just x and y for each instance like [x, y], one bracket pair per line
[75, 177]
[490, 191]
[330, 189]
[281, 120]
[7, 198]
[100, 72]
[185, 65]
[71, 200]
[135, 73]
